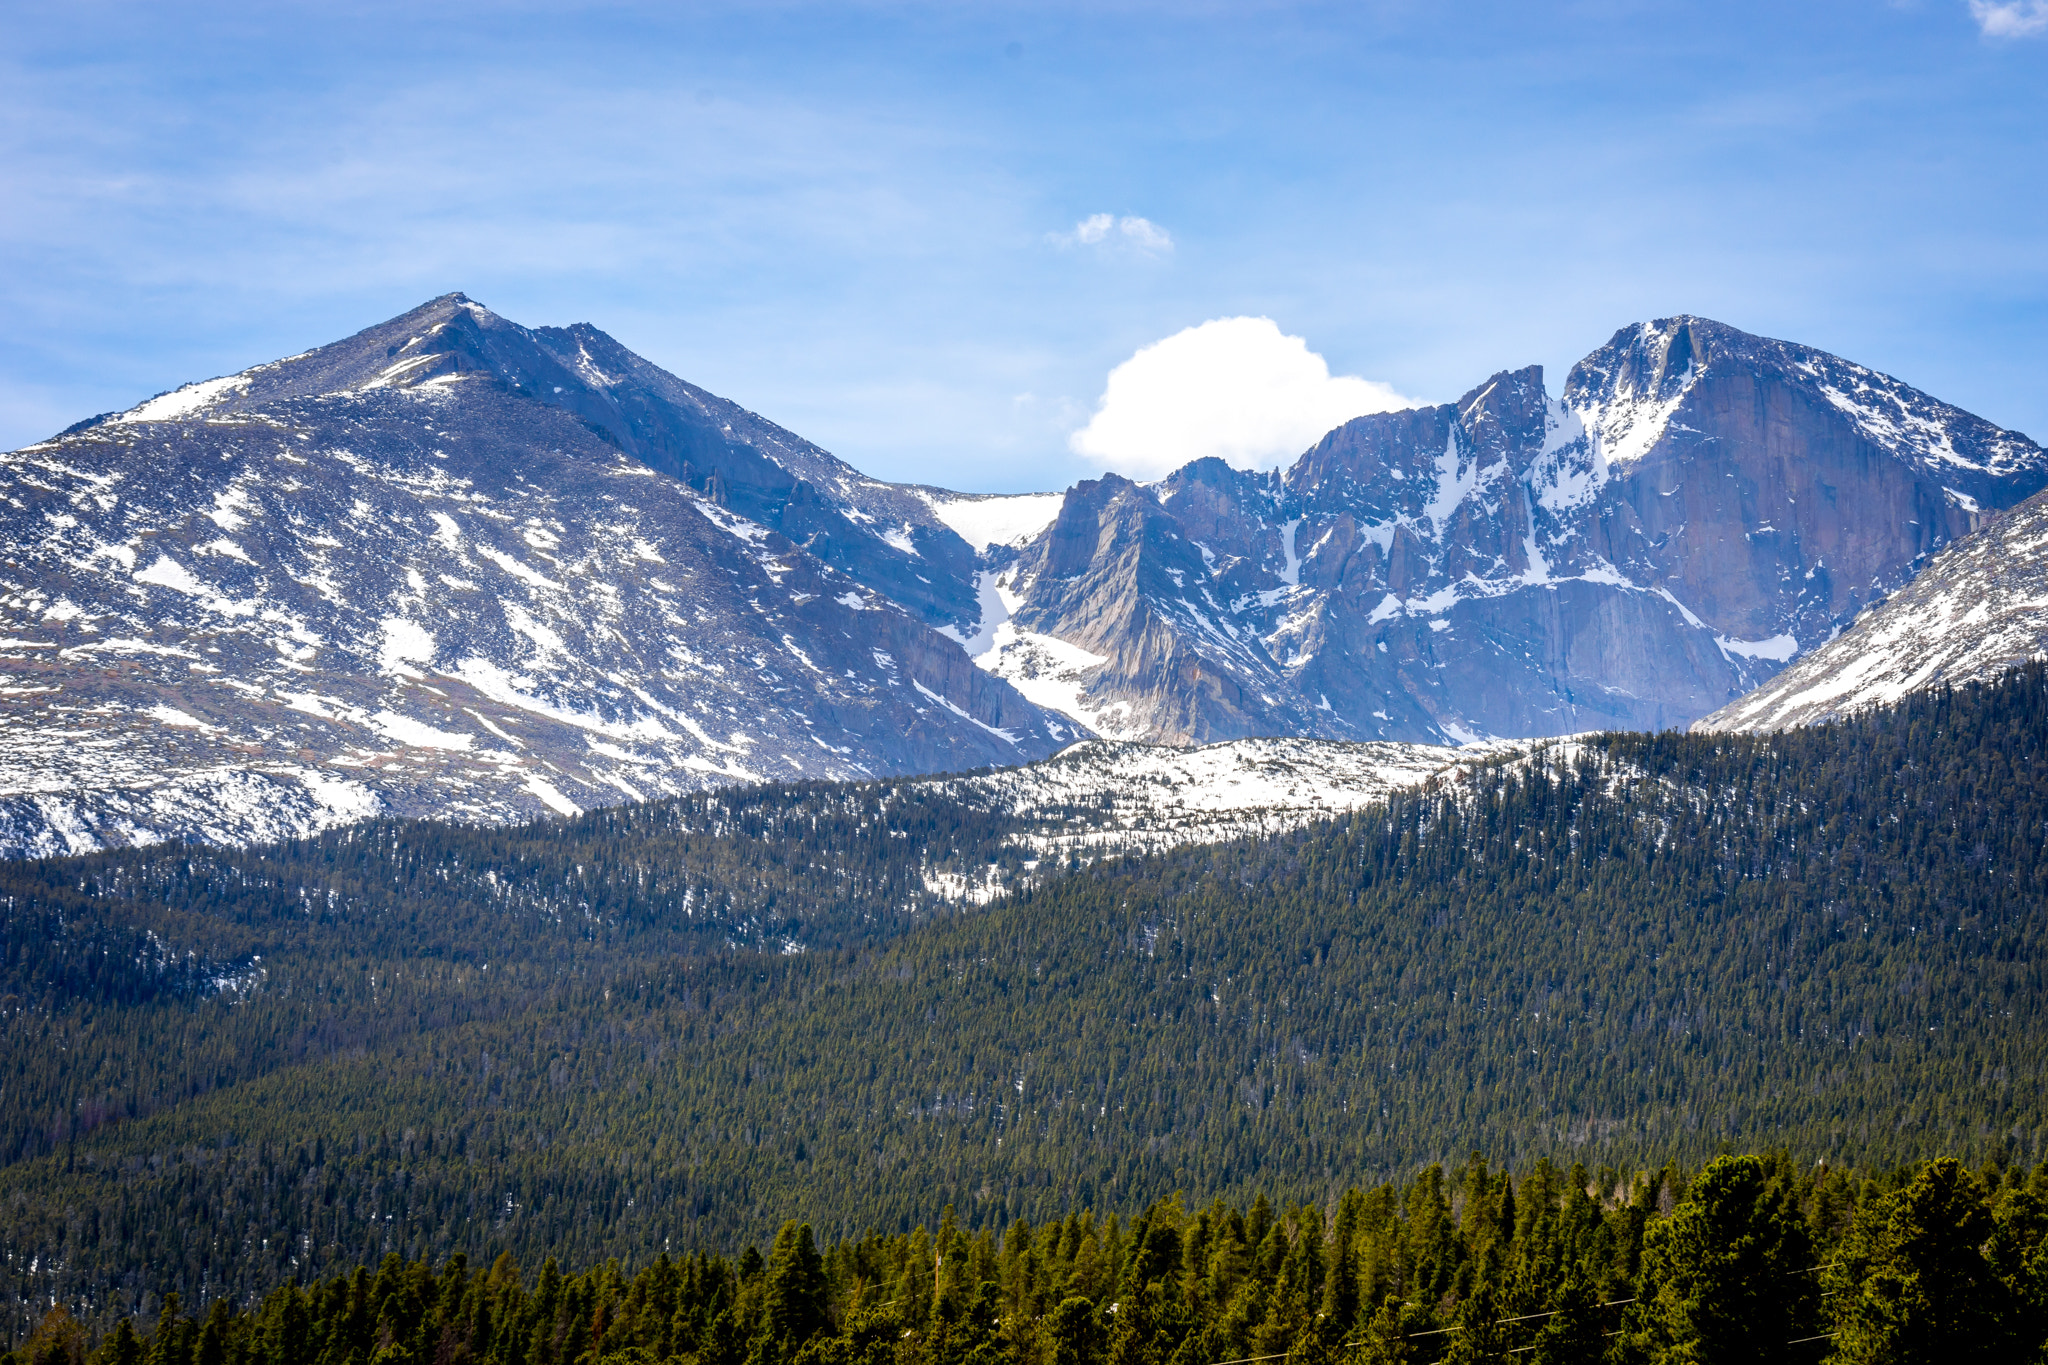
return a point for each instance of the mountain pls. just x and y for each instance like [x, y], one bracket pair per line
[453, 565]
[1699, 507]
[1980, 607]
[456, 566]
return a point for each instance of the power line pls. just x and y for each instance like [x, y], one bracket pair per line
[1497, 1322]
[1525, 1317]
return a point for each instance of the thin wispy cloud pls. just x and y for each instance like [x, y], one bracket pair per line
[1108, 230]
[1145, 234]
[1089, 231]
[2010, 18]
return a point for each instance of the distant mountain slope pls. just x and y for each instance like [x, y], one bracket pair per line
[453, 566]
[1977, 609]
[1108, 797]
[885, 535]
[1699, 507]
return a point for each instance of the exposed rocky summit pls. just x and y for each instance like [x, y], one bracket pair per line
[452, 566]
[1979, 608]
[1698, 508]
[457, 566]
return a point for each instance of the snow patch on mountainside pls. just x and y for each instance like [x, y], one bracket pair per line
[75, 790]
[1625, 424]
[185, 402]
[1109, 798]
[1778, 647]
[1892, 415]
[1568, 469]
[998, 519]
[1048, 672]
[1052, 673]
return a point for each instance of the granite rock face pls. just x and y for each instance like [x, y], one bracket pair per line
[1697, 508]
[1980, 607]
[452, 566]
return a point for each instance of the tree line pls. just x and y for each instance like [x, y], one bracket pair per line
[1748, 1259]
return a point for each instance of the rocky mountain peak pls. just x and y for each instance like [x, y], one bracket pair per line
[1500, 415]
[881, 533]
[1697, 508]
[1650, 362]
[452, 565]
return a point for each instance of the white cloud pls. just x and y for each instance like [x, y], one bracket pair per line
[1145, 233]
[1237, 388]
[2010, 18]
[1108, 230]
[1092, 229]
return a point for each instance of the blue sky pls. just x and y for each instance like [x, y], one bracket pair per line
[866, 221]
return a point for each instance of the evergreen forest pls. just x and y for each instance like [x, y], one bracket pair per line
[304, 1088]
[1748, 1259]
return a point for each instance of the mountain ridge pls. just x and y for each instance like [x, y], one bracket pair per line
[389, 576]
[1977, 609]
[1697, 507]
[455, 565]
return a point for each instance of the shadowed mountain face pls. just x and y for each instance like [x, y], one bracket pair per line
[1980, 607]
[454, 566]
[1698, 508]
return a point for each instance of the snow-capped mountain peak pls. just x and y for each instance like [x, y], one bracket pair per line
[455, 566]
[1696, 507]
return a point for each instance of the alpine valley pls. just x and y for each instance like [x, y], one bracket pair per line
[453, 566]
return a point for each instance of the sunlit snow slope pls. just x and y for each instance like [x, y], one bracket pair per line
[1107, 797]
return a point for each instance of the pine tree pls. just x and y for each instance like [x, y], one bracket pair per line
[1340, 1287]
[212, 1348]
[1385, 1341]
[793, 1304]
[1727, 1277]
[123, 1348]
[1575, 1333]
[1911, 1283]
[1072, 1334]
[2018, 1253]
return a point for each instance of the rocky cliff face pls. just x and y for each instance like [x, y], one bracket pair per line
[451, 566]
[1697, 508]
[1979, 608]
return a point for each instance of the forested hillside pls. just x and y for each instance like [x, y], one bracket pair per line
[1630, 952]
[168, 972]
[1750, 1259]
